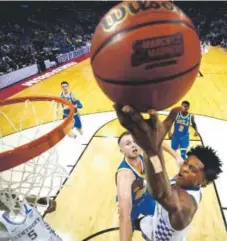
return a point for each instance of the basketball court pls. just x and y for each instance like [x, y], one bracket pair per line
[86, 205]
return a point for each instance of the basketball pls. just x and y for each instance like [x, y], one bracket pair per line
[145, 54]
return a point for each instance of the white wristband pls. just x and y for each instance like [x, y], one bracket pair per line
[156, 163]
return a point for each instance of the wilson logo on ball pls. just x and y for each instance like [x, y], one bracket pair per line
[118, 15]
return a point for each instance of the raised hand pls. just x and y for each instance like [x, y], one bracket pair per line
[149, 133]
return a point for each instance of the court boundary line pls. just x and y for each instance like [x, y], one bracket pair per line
[100, 232]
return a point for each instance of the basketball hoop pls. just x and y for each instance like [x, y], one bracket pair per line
[29, 162]
[23, 153]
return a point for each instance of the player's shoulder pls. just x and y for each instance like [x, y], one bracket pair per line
[72, 96]
[123, 164]
[124, 176]
[124, 167]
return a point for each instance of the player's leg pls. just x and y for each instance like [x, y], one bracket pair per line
[65, 114]
[184, 144]
[175, 142]
[71, 133]
[78, 124]
[183, 152]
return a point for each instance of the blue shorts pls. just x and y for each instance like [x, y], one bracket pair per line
[76, 121]
[181, 142]
[143, 206]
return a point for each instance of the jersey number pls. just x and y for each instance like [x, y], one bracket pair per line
[181, 128]
[32, 235]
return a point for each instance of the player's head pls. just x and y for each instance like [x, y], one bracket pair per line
[186, 105]
[127, 145]
[65, 86]
[201, 167]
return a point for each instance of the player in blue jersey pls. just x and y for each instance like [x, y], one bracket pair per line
[67, 94]
[180, 136]
[133, 202]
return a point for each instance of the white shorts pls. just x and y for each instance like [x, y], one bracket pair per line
[146, 226]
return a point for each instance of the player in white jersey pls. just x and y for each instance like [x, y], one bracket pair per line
[25, 223]
[176, 201]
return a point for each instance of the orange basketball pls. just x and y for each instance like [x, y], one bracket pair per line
[145, 54]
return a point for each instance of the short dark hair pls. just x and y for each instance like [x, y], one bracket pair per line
[211, 161]
[64, 83]
[125, 133]
[186, 102]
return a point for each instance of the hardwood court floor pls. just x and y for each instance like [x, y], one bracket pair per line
[87, 204]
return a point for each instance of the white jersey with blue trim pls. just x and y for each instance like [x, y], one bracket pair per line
[32, 228]
[159, 228]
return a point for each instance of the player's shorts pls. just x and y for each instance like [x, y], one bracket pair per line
[143, 206]
[181, 142]
[145, 225]
[76, 120]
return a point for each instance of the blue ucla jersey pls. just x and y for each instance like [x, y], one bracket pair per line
[125, 165]
[142, 202]
[70, 98]
[181, 124]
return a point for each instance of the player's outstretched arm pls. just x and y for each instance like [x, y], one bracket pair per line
[194, 126]
[78, 103]
[125, 178]
[149, 135]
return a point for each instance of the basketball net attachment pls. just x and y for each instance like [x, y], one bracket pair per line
[30, 132]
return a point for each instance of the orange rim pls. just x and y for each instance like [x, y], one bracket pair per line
[26, 152]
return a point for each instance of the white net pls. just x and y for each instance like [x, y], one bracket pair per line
[43, 176]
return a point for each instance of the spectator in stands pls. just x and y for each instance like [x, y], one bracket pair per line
[46, 29]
